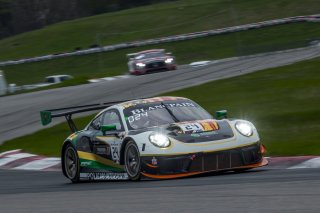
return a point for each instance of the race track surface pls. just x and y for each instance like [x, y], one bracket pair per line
[19, 114]
[260, 190]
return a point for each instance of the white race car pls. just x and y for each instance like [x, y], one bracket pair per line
[149, 61]
[158, 138]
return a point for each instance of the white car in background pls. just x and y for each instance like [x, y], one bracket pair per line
[49, 80]
[55, 79]
[150, 60]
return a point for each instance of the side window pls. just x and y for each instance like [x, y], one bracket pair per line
[112, 117]
[96, 123]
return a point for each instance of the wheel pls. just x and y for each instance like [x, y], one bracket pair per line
[132, 161]
[71, 163]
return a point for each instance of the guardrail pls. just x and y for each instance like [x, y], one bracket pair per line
[181, 37]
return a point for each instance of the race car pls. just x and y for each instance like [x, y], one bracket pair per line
[157, 138]
[149, 61]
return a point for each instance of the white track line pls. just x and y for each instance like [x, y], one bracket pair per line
[312, 164]
[39, 164]
[14, 157]
[109, 78]
[124, 76]
[8, 152]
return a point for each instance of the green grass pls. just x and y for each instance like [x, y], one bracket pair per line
[157, 20]
[283, 103]
[215, 47]
[72, 82]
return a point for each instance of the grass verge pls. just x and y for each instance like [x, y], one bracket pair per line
[215, 47]
[152, 21]
[283, 103]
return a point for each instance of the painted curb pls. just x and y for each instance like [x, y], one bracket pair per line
[18, 160]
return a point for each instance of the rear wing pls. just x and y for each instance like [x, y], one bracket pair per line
[67, 112]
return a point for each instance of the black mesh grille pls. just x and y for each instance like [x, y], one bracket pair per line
[155, 65]
[213, 161]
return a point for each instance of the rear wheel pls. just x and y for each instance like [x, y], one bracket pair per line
[132, 161]
[71, 163]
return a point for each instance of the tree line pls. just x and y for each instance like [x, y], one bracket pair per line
[18, 16]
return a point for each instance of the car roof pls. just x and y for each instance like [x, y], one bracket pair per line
[57, 76]
[152, 50]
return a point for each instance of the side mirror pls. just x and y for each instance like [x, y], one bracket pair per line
[108, 128]
[221, 114]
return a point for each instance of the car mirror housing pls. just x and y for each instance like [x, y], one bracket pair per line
[221, 114]
[108, 128]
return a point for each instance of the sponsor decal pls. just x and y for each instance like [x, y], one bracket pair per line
[86, 163]
[103, 151]
[209, 125]
[150, 100]
[104, 176]
[154, 161]
[194, 127]
[140, 113]
[127, 105]
[137, 117]
[115, 151]
[72, 136]
[204, 134]
[161, 106]
[197, 127]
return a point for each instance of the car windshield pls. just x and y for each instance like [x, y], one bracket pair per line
[160, 113]
[150, 55]
[49, 80]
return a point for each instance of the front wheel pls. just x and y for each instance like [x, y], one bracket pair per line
[71, 163]
[132, 161]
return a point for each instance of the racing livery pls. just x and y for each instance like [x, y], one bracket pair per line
[150, 60]
[158, 138]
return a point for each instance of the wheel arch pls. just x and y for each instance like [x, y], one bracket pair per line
[123, 146]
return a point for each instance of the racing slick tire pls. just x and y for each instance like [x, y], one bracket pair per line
[132, 161]
[71, 164]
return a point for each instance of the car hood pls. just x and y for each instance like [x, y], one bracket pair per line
[189, 127]
[193, 131]
[200, 131]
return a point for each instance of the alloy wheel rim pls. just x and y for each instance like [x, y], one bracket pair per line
[132, 161]
[70, 163]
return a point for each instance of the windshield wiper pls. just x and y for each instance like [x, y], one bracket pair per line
[171, 113]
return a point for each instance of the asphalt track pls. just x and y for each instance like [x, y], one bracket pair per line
[19, 114]
[261, 190]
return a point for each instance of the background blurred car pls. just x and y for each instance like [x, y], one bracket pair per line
[150, 60]
[49, 80]
[54, 79]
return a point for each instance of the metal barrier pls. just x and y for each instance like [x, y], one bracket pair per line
[181, 37]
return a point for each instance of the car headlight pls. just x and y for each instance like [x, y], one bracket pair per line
[168, 60]
[159, 140]
[140, 65]
[244, 128]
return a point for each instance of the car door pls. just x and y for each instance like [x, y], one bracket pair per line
[112, 138]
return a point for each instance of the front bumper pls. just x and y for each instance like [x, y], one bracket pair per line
[151, 69]
[165, 167]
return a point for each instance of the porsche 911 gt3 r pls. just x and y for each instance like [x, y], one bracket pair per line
[158, 138]
[150, 60]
